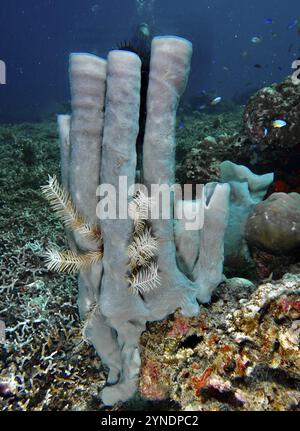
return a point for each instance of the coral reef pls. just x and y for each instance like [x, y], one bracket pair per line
[270, 146]
[177, 353]
[267, 265]
[279, 101]
[44, 362]
[241, 353]
[26, 145]
[204, 142]
[245, 136]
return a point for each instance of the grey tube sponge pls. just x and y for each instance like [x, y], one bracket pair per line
[64, 124]
[119, 160]
[88, 85]
[247, 190]
[257, 184]
[169, 71]
[117, 304]
[88, 78]
[88, 88]
[187, 240]
[98, 144]
[201, 251]
[208, 271]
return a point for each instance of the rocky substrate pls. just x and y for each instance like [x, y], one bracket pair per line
[245, 135]
[205, 141]
[241, 353]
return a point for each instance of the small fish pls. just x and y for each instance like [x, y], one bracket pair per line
[258, 66]
[274, 34]
[279, 123]
[226, 68]
[266, 131]
[181, 125]
[292, 24]
[216, 100]
[256, 39]
[269, 21]
[201, 107]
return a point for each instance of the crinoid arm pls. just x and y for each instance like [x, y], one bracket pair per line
[139, 210]
[145, 279]
[62, 205]
[143, 249]
[70, 262]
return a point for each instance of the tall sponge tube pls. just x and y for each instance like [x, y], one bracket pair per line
[88, 85]
[169, 71]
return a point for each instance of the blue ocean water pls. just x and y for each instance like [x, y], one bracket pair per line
[36, 38]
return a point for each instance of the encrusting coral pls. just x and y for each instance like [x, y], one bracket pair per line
[241, 353]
